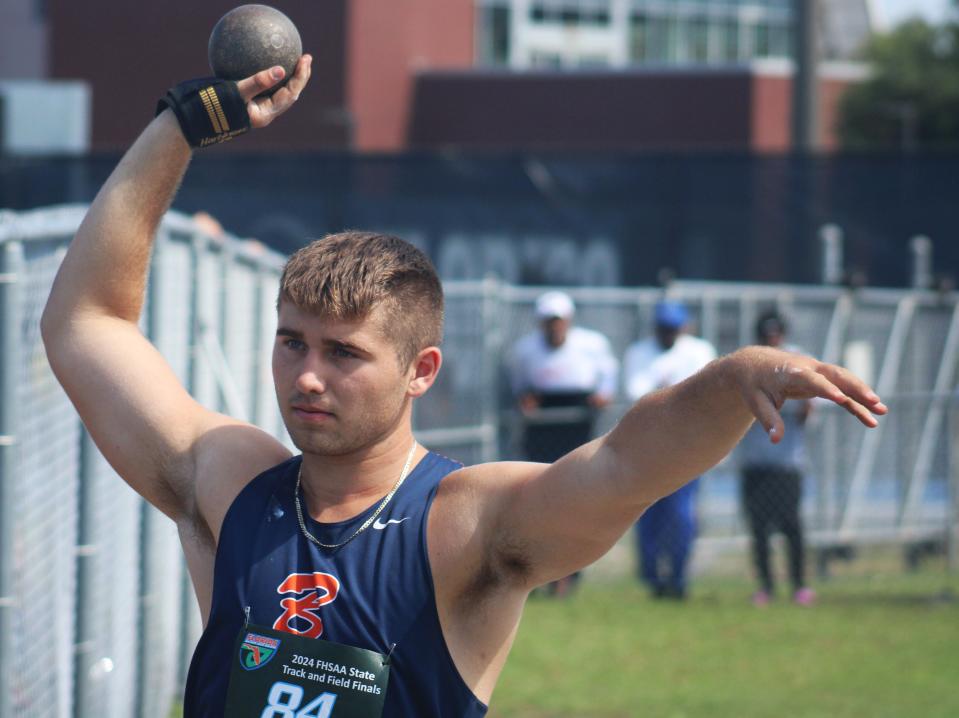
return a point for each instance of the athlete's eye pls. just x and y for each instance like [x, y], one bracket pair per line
[342, 352]
[294, 344]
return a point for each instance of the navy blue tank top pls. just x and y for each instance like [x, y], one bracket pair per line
[374, 592]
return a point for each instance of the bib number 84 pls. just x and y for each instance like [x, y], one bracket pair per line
[284, 702]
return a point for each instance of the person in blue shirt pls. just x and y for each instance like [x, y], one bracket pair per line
[366, 572]
[667, 530]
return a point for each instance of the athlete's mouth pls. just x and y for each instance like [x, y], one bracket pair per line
[307, 411]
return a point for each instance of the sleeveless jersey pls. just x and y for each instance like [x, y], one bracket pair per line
[376, 592]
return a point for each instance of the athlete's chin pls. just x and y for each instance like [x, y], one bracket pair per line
[322, 443]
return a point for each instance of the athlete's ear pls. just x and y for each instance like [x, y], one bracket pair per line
[425, 366]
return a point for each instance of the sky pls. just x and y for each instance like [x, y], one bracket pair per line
[894, 11]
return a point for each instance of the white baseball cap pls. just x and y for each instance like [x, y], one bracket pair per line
[554, 304]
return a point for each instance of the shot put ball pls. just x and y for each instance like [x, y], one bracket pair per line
[251, 38]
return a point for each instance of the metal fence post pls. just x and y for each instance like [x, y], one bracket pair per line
[921, 249]
[932, 424]
[197, 247]
[86, 594]
[952, 480]
[492, 346]
[886, 385]
[148, 516]
[831, 240]
[11, 265]
[256, 390]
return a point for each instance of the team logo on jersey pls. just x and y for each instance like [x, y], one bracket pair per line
[311, 591]
[256, 651]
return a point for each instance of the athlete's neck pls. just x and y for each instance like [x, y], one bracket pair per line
[336, 488]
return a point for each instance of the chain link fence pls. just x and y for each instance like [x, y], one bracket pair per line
[96, 610]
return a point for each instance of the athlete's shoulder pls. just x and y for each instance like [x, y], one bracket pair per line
[442, 464]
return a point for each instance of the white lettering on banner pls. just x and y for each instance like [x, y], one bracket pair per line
[366, 688]
[550, 259]
[296, 672]
[544, 258]
[365, 675]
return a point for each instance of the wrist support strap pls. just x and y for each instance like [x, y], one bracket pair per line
[209, 110]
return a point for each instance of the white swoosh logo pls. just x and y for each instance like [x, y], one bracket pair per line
[379, 525]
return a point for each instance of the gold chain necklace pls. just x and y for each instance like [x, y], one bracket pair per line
[366, 524]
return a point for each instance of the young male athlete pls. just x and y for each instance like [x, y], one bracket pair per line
[368, 576]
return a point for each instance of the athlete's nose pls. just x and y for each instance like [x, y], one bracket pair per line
[310, 379]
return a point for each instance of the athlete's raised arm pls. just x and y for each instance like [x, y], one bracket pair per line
[144, 422]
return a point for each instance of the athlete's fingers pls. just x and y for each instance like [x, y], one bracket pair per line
[301, 76]
[807, 384]
[764, 409]
[853, 386]
[260, 82]
[860, 412]
[265, 109]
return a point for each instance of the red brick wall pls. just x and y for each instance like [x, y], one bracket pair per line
[830, 93]
[772, 112]
[390, 41]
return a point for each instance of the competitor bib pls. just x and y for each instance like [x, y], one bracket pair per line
[281, 675]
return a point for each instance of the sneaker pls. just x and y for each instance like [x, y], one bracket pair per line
[761, 599]
[804, 597]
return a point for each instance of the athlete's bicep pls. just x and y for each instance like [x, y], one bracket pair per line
[140, 416]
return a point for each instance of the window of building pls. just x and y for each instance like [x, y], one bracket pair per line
[637, 38]
[492, 29]
[698, 44]
[761, 39]
[708, 31]
[780, 40]
[545, 60]
[593, 61]
[570, 13]
[727, 32]
[657, 42]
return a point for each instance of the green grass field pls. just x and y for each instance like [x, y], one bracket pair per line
[877, 645]
[872, 647]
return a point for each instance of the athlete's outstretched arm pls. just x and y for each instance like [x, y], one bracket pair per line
[540, 522]
[141, 418]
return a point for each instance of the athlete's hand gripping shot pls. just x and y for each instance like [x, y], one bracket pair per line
[366, 575]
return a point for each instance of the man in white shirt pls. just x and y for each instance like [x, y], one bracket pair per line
[561, 374]
[668, 528]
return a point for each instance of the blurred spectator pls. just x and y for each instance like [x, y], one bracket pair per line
[560, 375]
[772, 482]
[666, 532]
[209, 225]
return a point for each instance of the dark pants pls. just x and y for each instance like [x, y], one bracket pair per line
[771, 498]
[665, 536]
[546, 442]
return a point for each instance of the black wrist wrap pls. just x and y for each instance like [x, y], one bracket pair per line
[209, 110]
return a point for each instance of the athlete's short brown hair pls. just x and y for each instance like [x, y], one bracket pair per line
[346, 275]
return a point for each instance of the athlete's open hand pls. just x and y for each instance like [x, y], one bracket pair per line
[768, 377]
[264, 110]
